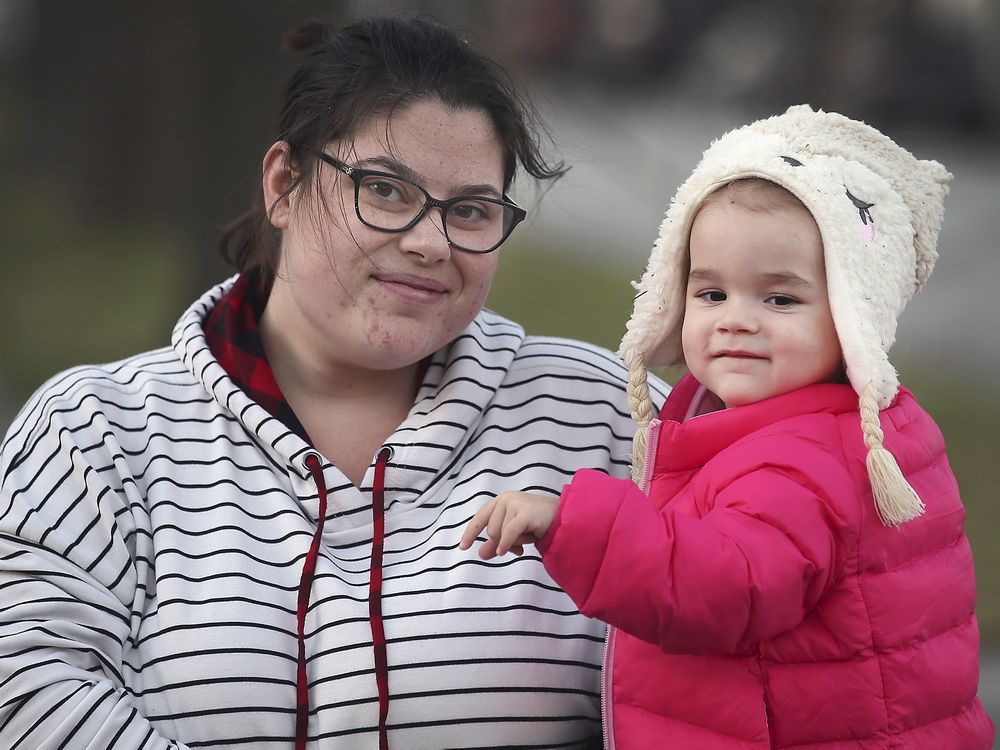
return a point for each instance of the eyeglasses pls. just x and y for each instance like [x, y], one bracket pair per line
[387, 202]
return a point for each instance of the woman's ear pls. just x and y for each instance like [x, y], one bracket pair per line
[277, 178]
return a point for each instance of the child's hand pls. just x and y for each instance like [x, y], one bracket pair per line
[511, 520]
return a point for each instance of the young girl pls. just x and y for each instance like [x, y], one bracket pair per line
[792, 571]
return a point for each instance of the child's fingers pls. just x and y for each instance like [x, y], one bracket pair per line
[488, 550]
[476, 525]
[506, 520]
[498, 520]
[512, 533]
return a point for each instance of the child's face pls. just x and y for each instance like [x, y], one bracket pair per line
[757, 319]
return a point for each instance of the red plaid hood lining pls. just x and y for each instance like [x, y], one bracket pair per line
[233, 335]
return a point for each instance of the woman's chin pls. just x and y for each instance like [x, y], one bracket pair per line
[399, 349]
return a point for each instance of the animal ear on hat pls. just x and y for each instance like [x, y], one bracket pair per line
[930, 185]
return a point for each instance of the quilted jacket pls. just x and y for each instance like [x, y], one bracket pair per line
[755, 598]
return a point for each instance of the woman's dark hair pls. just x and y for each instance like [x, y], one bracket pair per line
[368, 68]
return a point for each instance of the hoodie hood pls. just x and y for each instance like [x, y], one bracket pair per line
[460, 382]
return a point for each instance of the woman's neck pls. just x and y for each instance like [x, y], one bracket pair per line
[348, 412]
[304, 372]
[303, 365]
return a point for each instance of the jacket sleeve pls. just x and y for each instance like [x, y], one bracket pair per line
[74, 560]
[749, 569]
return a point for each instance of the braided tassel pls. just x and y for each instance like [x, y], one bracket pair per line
[642, 411]
[895, 499]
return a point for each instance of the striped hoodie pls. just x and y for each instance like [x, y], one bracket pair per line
[155, 522]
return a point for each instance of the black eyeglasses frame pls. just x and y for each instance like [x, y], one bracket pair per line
[357, 175]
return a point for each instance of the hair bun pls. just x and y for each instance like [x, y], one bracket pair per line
[307, 36]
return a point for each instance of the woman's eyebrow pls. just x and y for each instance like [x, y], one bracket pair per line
[389, 164]
[487, 191]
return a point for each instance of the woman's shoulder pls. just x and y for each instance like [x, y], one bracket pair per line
[569, 356]
[578, 361]
[556, 352]
[87, 400]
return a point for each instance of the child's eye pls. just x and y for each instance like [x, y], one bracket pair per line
[711, 295]
[781, 300]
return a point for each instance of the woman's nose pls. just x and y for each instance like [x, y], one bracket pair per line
[426, 239]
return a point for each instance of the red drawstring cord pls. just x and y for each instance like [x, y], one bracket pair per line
[375, 597]
[305, 586]
[374, 601]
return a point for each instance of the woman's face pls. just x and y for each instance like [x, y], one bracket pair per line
[371, 300]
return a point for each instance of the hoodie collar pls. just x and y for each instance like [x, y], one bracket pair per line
[459, 385]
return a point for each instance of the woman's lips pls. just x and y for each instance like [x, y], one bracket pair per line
[412, 288]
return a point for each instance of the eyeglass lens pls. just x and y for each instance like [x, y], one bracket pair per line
[475, 224]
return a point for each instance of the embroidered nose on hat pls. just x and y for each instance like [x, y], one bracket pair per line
[879, 212]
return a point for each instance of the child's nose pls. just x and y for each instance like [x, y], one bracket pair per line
[737, 316]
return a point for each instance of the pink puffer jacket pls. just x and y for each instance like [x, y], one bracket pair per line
[756, 600]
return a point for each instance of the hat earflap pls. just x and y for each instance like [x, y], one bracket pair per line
[895, 500]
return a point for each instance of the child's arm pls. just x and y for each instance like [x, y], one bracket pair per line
[751, 568]
[511, 520]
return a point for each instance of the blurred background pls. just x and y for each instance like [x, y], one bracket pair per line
[131, 132]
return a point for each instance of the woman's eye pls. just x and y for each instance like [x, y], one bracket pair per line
[781, 300]
[385, 190]
[471, 213]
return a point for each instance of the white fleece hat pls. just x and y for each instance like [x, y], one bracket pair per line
[879, 211]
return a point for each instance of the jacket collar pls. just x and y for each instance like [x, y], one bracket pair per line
[690, 444]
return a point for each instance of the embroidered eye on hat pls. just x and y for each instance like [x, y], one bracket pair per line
[879, 212]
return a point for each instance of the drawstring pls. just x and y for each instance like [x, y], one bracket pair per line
[374, 601]
[375, 596]
[305, 586]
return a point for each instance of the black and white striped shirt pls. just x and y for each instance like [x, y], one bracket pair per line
[154, 522]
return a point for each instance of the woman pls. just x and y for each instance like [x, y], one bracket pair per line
[249, 539]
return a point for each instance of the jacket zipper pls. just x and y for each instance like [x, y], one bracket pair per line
[652, 439]
[767, 705]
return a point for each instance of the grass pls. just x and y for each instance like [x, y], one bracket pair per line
[73, 294]
[558, 295]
